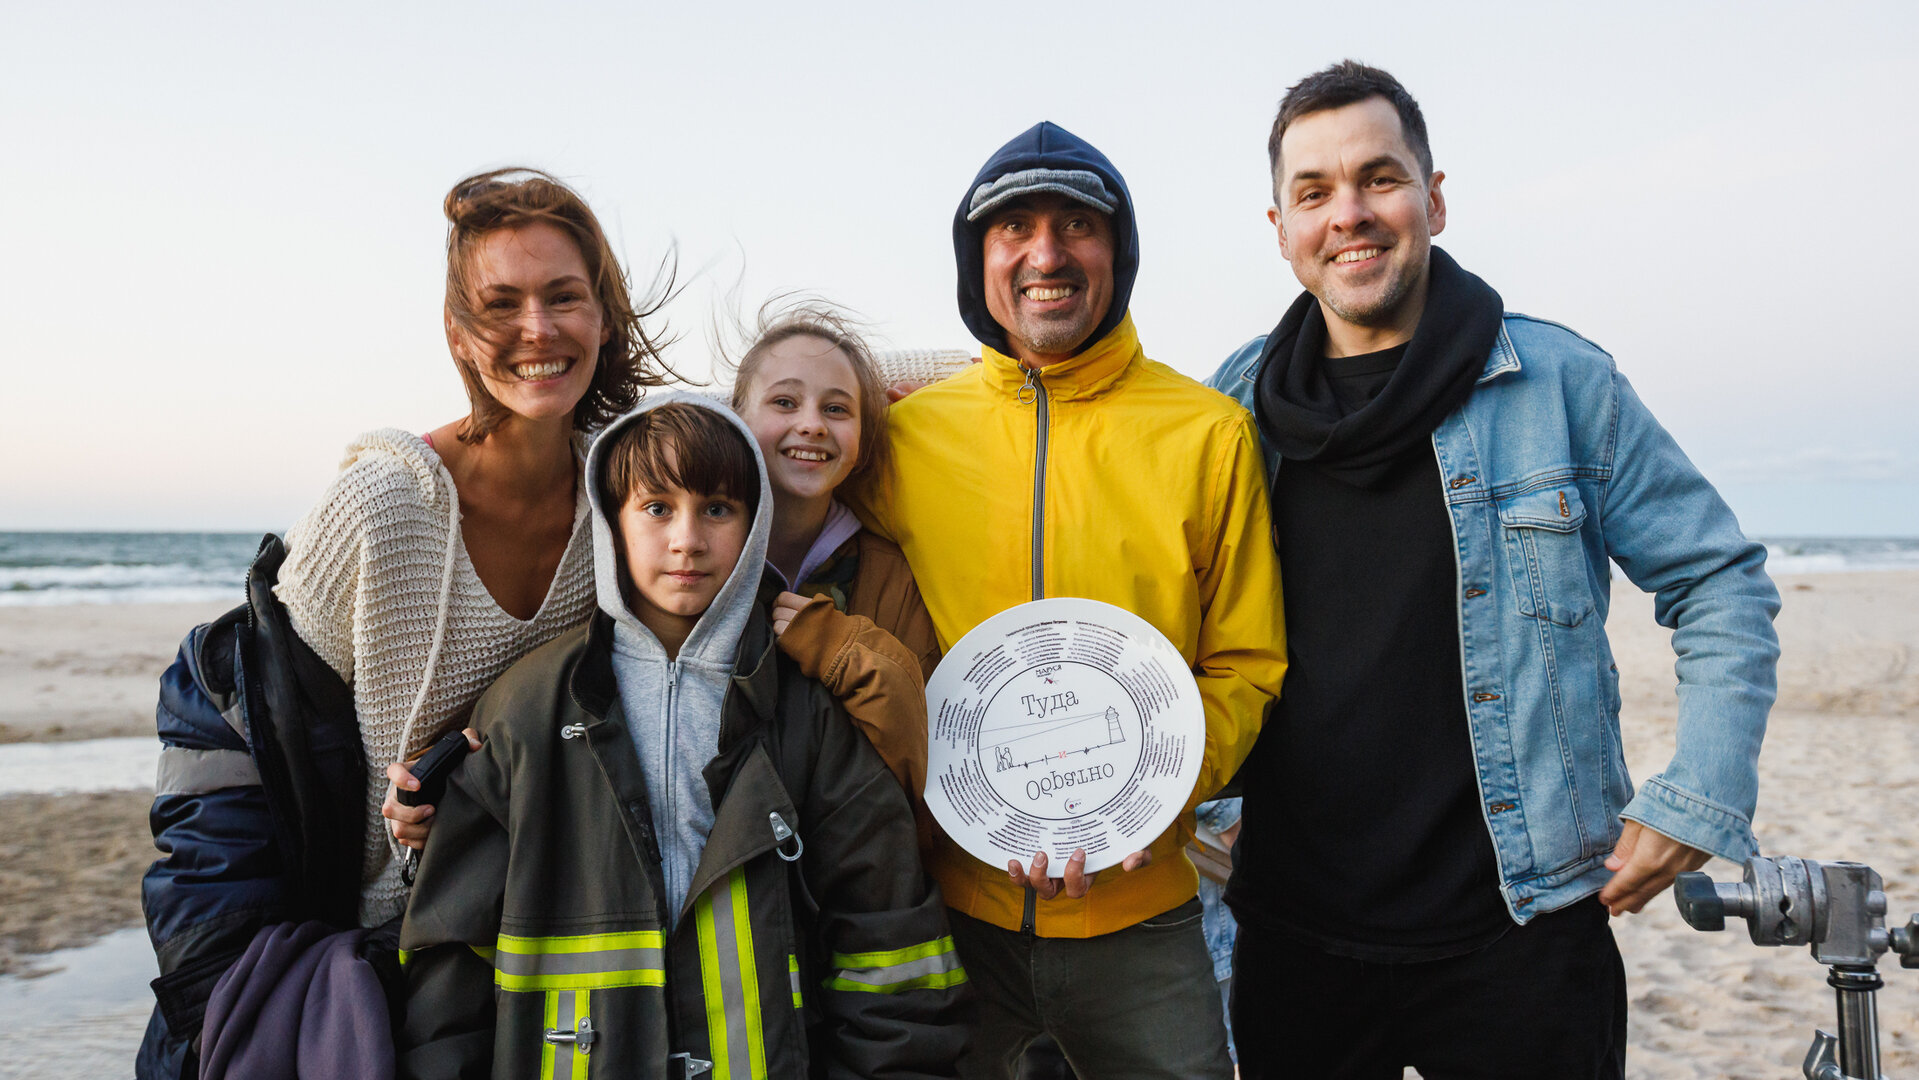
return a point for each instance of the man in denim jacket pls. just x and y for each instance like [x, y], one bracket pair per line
[1440, 792]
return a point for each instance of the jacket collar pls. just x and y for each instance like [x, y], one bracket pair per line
[591, 680]
[755, 681]
[1087, 375]
[1503, 360]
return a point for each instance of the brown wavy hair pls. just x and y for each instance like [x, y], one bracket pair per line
[787, 317]
[678, 445]
[629, 362]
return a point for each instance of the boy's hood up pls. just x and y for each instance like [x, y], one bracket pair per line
[1045, 145]
[716, 635]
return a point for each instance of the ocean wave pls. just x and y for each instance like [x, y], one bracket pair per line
[108, 583]
[114, 576]
[157, 595]
[43, 569]
[1839, 555]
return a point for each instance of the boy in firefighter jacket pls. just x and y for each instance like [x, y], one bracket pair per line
[673, 856]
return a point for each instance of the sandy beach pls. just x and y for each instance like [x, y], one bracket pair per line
[87, 671]
[1839, 780]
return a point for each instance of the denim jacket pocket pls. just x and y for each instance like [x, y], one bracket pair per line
[1546, 554]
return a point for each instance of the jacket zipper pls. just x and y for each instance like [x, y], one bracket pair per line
[1042, 422]
[672, 718]
[1042, 425]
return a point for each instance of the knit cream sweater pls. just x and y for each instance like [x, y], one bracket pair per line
[379, 584]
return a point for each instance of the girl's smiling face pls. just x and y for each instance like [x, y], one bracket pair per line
[804, 408]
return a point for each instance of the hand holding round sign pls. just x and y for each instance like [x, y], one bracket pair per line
[1058, 725]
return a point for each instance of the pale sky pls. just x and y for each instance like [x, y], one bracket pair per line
[224, 250]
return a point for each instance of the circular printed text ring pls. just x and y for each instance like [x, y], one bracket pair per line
[1058, 725]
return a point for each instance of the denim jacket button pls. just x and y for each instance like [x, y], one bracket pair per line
[1471, 593]
[1483, 696]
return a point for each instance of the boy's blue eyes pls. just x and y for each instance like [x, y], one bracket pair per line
[712, 509]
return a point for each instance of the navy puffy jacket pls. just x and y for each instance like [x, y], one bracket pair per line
[256, 810]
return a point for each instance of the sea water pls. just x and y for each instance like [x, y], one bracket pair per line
[45, 568]
[81, 1012]
[64, 768]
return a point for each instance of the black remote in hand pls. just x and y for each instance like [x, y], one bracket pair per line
[432, 768]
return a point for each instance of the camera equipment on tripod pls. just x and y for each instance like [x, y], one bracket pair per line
[1839, 909]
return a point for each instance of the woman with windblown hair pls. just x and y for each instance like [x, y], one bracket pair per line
[434, 562]
[431, 564]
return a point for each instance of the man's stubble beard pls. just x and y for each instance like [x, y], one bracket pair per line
[1049, 338]
[1064, 332]
[1382, 312]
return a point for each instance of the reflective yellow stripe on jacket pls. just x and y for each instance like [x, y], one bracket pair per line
[565, 1010]
[930, 965]
[580, 962]
[730, 980]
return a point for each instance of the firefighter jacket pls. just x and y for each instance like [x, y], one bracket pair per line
[811, 941]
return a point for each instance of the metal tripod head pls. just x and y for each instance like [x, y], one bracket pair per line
[1838, 908]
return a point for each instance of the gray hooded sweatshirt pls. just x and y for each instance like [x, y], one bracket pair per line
[672, 707]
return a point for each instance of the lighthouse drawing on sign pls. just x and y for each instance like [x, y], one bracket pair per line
[1019, 746]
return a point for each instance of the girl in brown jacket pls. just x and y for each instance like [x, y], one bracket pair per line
[851, 616]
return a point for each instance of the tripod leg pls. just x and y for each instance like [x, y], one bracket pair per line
[1858, 1039]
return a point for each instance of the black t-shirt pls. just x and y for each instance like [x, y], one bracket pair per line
[1363, 833]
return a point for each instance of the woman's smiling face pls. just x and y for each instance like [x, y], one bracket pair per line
[803, 406]
[545, 326]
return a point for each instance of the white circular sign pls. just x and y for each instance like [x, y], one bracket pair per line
[1057, 725]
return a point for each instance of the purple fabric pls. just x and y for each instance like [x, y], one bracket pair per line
[839, 526]
[301, 1002]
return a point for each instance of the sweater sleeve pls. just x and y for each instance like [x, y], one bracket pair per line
[1241, 659]
[876, 679]
[363, 564]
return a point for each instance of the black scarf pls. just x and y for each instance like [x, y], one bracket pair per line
[1299, 415]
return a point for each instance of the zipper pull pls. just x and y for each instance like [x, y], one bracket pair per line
[782, 832]
[1029, 393]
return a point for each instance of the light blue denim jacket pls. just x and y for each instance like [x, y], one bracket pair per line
[1549, 468]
